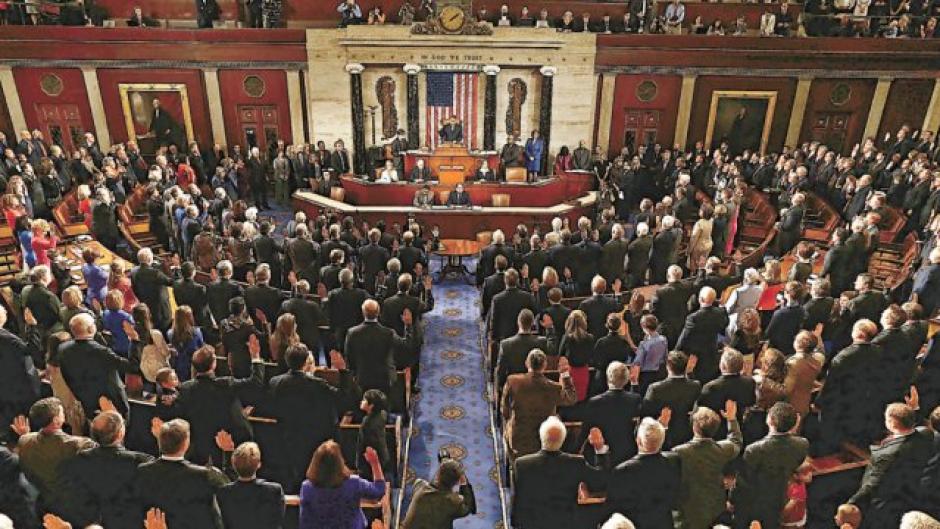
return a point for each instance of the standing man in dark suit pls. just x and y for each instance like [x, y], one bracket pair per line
[393, 308]
[599, 306]
[339, 159]
[91, 370]
[344, 307]
[307, 409]
[185, 492]
[506, 307]
[372, 259]
[547, 482]
[221, 290]
[699, 336]
[409, 254]
[790, 226]
[262, 296]
[613, 412]
[837, 264]
[787, 320]
[308, 314]
[638, 256]
[898, 355]
[19, 379]
[212, 403]
[679, 394]
[493, 284]
[869, 303]
[646, 487]
[670, 305]
[514, 350]
[613, 256]
[206, 12]
[761, 490]
[663, 253]
[249, 502]
[927, 283]
[103, 477]
[257, 179]
[486, 266]
[150, 286]
[186, 291]
[370, 348]
[891, 485]
[731, 385]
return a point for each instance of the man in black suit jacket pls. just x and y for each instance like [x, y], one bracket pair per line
[372, 260]
[486, 266]
[769, 464]
[257, 179]
[102, 478]
[91, 370]
[557, 314]
[898, 355]
[186, 291]
[249, 502]
[663, 253]
[646, 487]
[670, 305]
[613, 412]
[837, 264]
[677, 392]
[150, 286]
[787, 320]
[790, 226]
[638, 256]
[599, 306]
[393, 309]
[307, 313]
[409, 254]
[339, 159]
[262, 296]
[514, 350]
[493, 284]
[220, 291]
[213, 403]
[370, 348]
[307, 409]
[506, 307]
[891, 485]
[186, 493]
[344, 307]
[731, 385]
[699, 336]
[613, 256]
[459, 197]
[868, 304]
[546, 491]
[19, 379]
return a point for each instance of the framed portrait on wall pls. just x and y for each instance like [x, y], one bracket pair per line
[157, 115]
[741, 118]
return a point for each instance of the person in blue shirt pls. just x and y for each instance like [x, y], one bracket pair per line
[534, 148]
[650, 354]
[113, 319]
[186, 338]
[25, 235]
[96, 277]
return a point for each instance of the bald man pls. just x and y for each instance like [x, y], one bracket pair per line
[699, 337]
[370, 348]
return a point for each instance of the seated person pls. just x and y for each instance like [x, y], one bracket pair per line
[424, 197]
[389, 174]
[420, 172]
[484, 173]
[138, 19]
[451, 131]
[459, 197]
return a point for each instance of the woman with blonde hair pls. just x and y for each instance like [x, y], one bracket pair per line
[72, 305]
[331, 494]
[83, 196]
[284, 336]
[577, 345]
[118, 280]
[700, 242]
[43, 241]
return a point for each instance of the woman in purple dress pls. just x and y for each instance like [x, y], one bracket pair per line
[330, 496]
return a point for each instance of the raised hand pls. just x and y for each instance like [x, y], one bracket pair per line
[337, 360]
[407, 318]
[261, 317]
[29, 318]
[755, 525]
[156, 519]
[254, 347]
[635, 375]
[248, 410]
[617, 286]
[156, 424]
[371, 456]
[665, 415]
[547, 322]
[51, 521]
[563, 365]
[567, 273]
[292, 278]
[105, 404]
[224, 441]
[596, 438]
[524, 273]
[730, 413]
[913, 399]
[250, 278]
[130, 331]
[20, 425]
[534, 285]
[693, 361]
[214, 274]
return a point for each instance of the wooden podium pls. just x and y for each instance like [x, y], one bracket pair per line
[451, 163]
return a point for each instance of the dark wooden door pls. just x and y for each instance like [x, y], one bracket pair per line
[258, 125]
[831, 128]
[641, 127]
[61, 125]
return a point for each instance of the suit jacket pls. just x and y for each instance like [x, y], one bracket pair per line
[487, 263]
[91, 370]
[492, 285]
[614, 412]
[663, 254]
[761, 488]
[700, 337]
[370, 350]
[869, 305]
[339, 162]
[458, 199]
[185, 492]
[612, 263]
[410, 255]
[149, 284]
[702, 495]
[791, 226]
[188, 292]
[309, 317]
[372, 259]
[839, 267]
[513, 352]
[251, 504]
[344, 307]
[546, 491]
[678, 394]
[218, 294]
[739, 388]
[102, 480]
[849, 399]
[898, 363]
[213, 403]
[433, 508]
[266, 298]
[645, 489]
[784, 325]
[19, 379]
[927, 287]
[41, 456]
[670, 305]
[505, 310]
[597, 308]
[639, 258]
[528, 399]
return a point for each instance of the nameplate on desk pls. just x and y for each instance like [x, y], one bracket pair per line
[450, 168]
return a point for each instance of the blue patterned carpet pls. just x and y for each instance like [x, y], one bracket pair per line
[452, 410]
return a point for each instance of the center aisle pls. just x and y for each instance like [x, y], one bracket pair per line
[451, 411]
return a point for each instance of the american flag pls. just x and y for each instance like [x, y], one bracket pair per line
[451, 94]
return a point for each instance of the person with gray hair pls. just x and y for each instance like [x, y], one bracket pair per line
[613, 412]
[547, 482]
[646, 487]
[618, 521]
[638, 256]
[744, 297]
[486, 266]
[344, 307]
[665, 249]
[731, 385]
[613, 263]
[221, 290]
[699, 336]
[670, 304]
[918, 520]
[150, 286]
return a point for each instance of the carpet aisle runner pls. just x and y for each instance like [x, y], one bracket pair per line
[451, 410]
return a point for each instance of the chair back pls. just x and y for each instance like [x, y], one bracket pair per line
[500, 200]
[338, 194]
[515, 174]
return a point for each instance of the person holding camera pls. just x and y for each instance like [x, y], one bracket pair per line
[436, 505]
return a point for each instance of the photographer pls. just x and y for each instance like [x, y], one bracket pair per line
[435, 505]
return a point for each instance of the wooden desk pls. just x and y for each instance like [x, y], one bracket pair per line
[455, 250]
[451, 164]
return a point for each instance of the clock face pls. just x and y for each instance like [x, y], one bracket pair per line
[452, 18]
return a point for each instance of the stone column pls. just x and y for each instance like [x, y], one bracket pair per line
[214, 97]
[359, 134]
[798, 111]
[295, 106]
[608, 83]
[98, 116]
[877, 111]
[685, 110]
[932, 116]
[12, 96]
[545, 112]
[489, 108]
[414, 131]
